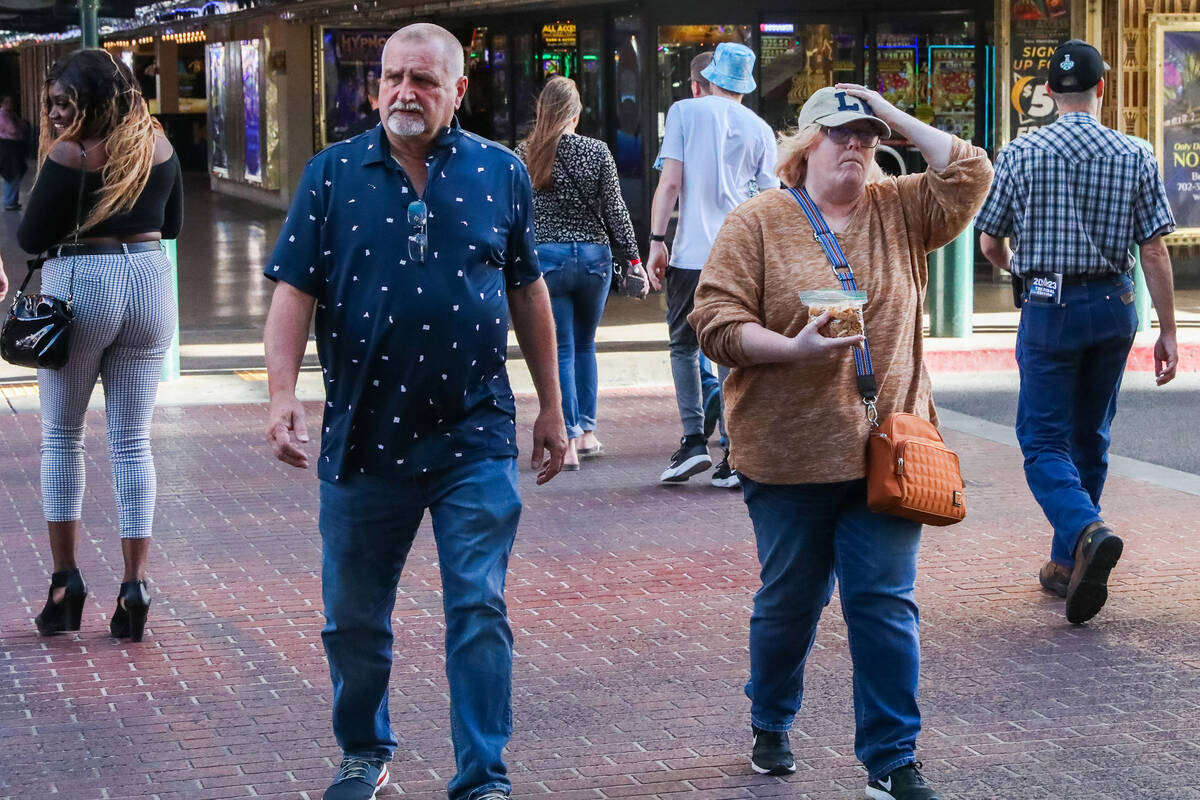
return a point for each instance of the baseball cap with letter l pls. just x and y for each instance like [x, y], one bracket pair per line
[1076, 66]
[832, 107]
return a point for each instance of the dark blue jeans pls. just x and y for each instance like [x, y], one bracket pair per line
[577, 275]
[1072, 358]
[367, 528]
[808, 535]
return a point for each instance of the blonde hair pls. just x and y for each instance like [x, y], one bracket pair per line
[109, 106]
[792, 156]
[557, 105]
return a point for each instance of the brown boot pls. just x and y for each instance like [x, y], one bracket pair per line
[1095, 556]
[1054, 578]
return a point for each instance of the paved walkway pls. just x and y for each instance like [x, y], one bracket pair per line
[630, 604]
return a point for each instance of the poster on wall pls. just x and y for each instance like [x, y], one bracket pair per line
[896, 64]
[218, 158]
[351, 61]
[1175, 114]
[1037, 27]
[952, 89]
[251, 116]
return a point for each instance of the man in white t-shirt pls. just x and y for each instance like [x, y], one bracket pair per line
[715, 154]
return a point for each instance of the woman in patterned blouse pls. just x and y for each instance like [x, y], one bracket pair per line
[579, 219]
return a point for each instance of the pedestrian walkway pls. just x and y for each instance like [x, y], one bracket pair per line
[224, 301]
[630, 603]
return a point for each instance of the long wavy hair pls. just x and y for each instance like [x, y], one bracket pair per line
[792, 156]
[557, 105]
[108, 105]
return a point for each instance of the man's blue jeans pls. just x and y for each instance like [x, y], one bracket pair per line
[680, 286]
[577, 275]
[12, 193]
[808, 534]
[1072, 358]
[367, 528]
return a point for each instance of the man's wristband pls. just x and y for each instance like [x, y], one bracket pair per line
[658, 237]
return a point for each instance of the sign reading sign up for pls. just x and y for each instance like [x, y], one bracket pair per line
[1175, 114]
[1036, 29]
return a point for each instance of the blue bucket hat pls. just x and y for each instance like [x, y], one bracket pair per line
[732, 68]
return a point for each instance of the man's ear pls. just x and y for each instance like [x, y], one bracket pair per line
[460, 88]
[1100, 88]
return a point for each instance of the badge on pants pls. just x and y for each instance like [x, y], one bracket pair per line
[1045, 289]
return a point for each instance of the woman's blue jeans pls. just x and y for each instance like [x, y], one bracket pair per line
[808, 535]
[577, 275]
[367, 527]
[1072, 359]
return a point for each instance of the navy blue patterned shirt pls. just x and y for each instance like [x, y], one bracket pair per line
[413, 353]
[1075, 195]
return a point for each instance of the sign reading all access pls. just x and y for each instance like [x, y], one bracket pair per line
[559, 34]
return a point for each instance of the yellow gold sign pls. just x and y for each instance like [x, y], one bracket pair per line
[559, 34]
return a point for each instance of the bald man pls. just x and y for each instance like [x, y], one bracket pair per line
[414, 244]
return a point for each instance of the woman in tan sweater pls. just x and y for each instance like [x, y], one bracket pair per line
[796, 419]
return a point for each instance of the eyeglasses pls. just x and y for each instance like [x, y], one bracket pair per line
[842, 136]
[418, 215]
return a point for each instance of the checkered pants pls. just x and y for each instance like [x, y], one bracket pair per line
[124, 319]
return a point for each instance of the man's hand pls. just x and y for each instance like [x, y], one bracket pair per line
[549, 434]
[3, 281]
[1166, 359]
[287, 430]
[656, 264]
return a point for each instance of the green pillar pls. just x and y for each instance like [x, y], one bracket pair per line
[89, 26]
[170, 367]
[1141, 295]
[952, 286]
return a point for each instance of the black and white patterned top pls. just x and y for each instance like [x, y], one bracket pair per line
[583, 166]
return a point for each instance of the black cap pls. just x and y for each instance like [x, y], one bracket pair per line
[1076, 66]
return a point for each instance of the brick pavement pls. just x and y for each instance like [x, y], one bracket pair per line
[630, 604]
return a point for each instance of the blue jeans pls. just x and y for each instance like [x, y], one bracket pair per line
[686, 369]
[1072, 358]
[577, 275]
[367, 527]
[12, 192]
[808, 534]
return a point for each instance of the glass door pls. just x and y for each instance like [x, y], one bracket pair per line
[797, 58]
[677, 46]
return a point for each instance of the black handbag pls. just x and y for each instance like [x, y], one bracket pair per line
[37, 328]
[629, 279]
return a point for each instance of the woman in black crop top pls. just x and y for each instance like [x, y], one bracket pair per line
[108, 191]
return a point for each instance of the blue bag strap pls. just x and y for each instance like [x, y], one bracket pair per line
[845, 275]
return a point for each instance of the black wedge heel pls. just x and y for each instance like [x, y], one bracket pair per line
[65, 615]
[133, 605]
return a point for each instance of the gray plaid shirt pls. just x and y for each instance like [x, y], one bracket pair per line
[1075, 195]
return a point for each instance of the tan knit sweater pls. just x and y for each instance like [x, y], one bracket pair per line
[792, 423]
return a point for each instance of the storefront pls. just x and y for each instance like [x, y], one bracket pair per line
[243, 119]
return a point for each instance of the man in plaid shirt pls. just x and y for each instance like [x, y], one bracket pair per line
[1075, 195]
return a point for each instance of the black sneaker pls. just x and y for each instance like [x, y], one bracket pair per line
[725, 476]
[902, 783]
[772, 754]
[692, 457]
[357, 779]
